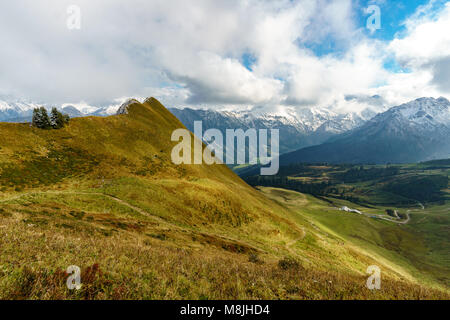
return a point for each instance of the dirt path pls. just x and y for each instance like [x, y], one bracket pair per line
[290, 244]
[139, 210]
[399, 222]
[408, 218]
[118, 200]
[142, 212]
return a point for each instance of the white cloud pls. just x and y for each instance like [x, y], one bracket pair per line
[427, 39]
[191, 53]
[425, 51]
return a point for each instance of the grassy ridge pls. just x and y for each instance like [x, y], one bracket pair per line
[102, 194]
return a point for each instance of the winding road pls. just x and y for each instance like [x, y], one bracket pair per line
[395, 221]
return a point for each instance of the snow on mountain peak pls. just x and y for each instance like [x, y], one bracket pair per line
[425, 110]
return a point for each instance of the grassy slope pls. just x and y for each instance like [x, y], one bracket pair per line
[421, 245]
[103, 194]
[417, 250]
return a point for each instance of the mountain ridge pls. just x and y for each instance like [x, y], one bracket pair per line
[411, 132]
[300, 129]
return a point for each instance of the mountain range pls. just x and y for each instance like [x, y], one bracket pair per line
[21, 110]
[412, 132]
[298, 128]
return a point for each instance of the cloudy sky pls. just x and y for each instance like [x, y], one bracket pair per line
[230, 53]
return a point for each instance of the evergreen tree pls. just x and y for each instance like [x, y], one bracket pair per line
[45, 119]
[66, 118]
[54, 118]
[36, 118]
[57, 119]
[41, 119]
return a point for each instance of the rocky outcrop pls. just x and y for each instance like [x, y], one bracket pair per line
[123, 109]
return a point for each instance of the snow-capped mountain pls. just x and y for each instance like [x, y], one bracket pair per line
[412, 132]
[298, 128]
[306, 119]
[17, 110]
[423, 113]
[11, 109]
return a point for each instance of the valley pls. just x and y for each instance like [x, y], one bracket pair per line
[406, 201]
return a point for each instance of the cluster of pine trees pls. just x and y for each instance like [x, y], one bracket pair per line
[42, 120]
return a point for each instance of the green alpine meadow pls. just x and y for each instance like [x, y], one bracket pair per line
[102, 194]
[225, 159]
